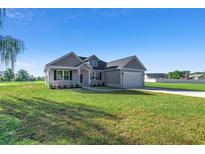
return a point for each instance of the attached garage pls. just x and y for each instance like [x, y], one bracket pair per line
[132, 79]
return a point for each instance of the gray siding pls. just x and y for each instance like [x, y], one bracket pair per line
[70, 61]
[112, 78]
[133, 64]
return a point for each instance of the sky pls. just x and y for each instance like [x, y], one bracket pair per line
[163, 39]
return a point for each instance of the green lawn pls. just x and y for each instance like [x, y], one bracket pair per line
[34, 114]
[183, 86]
[13, 83]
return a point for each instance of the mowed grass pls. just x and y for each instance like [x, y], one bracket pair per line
[34, 114]
[182, 86]
[13, 83]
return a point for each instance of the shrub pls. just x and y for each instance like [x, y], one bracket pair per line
[8, 74]
[2, 78]
[22, 75]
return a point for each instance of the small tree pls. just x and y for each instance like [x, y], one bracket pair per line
[170, 75]
[175, 75]
[8, 74]
[22, 75]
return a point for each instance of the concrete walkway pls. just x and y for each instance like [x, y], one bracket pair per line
[176, 91]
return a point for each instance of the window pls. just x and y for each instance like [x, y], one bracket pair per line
[59, 75]
[96, 76]
[94, 63]
[62, 75]
[92, 76]
[65, 75]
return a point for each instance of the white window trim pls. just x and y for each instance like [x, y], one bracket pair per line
[63, 74]
[94, 63]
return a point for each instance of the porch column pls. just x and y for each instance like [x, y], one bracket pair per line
[49, 76]
[78, 76]
[89, 77]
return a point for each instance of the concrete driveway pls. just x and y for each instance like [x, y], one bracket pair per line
[176, 91]
[161, 90]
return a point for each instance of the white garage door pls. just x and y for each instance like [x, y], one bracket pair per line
[133, 79]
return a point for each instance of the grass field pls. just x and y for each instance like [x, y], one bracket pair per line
[183, 86]
[16, 83]
[33, 114]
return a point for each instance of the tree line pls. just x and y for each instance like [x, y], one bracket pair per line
[178, 74]
[21, 75]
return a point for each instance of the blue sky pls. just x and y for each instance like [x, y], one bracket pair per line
[163, 39]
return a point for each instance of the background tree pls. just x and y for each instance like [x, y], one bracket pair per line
[9, 47]
[169, 75]
[175, 75]
[22, 75]
[32, 78]
[39, 78]
[8, 74]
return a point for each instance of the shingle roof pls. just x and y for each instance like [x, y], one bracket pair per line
[196, 75]
[156, 75]
[81, 57]
[119, 63]
[116, 64]
[101, 63]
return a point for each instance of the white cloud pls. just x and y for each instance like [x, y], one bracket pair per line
[24, 64]
[20, 14]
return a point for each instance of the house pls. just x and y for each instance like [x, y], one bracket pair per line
[149, 77]
[197, 76]
[73, 70]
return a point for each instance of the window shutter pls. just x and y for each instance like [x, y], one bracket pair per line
[54, 75]
[71, 73]
[100, 76]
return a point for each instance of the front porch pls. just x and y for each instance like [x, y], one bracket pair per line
[67, 77]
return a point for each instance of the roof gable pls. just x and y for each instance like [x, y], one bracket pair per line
[84, 65]
[92, 57]
[119, 63]
[70, 59]
[134, 64]
[131, 62]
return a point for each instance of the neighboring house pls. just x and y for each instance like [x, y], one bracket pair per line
[71, 70]
[197, 76]
[151, 77]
